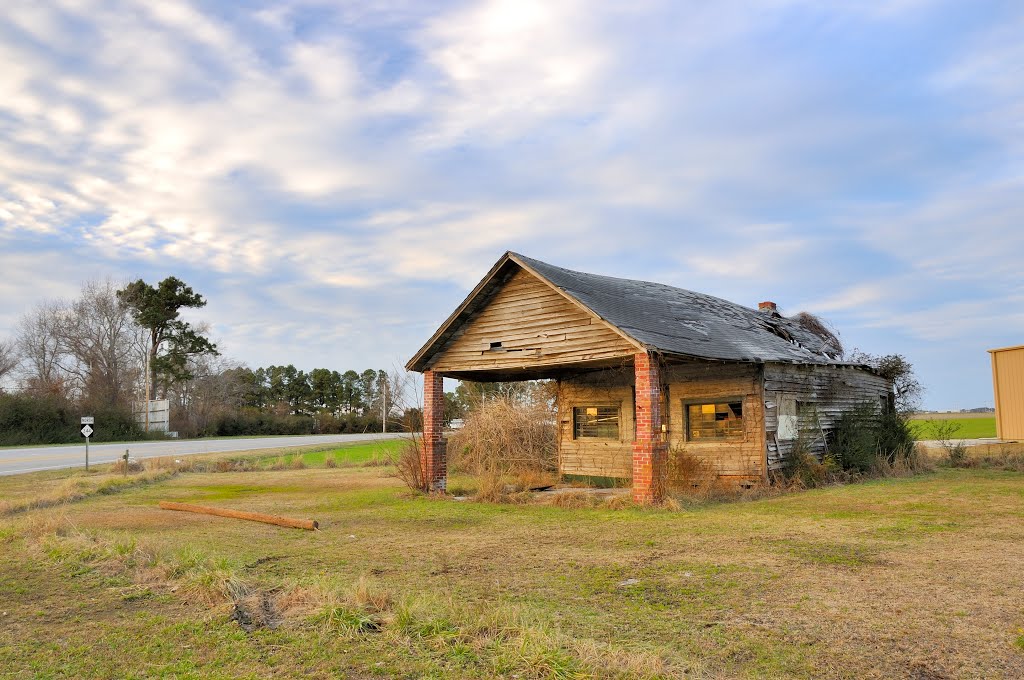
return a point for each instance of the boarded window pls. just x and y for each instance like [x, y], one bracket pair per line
[789, 423]
[595, 422]
[715, 421]
[797, 418]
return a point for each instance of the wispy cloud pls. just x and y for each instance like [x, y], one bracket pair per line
[337, 177]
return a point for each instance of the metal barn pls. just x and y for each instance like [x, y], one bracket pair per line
[1008, 385]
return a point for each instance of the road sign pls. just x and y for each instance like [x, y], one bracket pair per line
[87, 430]
[88, 420]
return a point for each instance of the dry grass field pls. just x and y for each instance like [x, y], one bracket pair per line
[917, 577]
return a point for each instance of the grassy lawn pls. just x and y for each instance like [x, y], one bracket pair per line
[968, 428]
[914, 577]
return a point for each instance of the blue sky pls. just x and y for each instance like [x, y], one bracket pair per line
[335, 177]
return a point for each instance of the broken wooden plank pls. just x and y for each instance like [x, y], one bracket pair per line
[309, 524]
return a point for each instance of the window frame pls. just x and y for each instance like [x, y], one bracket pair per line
[714, 401]
[618, 421]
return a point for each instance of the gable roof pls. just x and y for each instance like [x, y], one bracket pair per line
[655, 317]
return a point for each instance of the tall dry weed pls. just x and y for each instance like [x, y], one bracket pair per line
[505, 435]
[407, 464]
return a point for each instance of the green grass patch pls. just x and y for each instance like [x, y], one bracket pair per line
[401, 585]
[969, 428]
[363, 453]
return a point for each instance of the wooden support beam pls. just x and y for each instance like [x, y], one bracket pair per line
[309, 524]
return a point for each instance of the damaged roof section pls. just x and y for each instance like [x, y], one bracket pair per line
[654, 316]
[678, 321]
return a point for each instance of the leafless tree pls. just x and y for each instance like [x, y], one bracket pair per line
[215, 387]
[39, 344]
[87, 348]
[9, 360]
[99, 343]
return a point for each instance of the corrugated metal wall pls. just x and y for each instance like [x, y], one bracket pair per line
[1008, 385]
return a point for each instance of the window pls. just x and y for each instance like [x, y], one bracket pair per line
[715, 421]
[595, 422]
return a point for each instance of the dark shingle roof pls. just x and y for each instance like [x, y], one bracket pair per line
[677, 321]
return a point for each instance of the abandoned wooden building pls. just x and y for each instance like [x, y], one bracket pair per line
[643, 369]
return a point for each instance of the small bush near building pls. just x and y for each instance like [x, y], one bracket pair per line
[865, 441]
[946, 432]
[407, 463]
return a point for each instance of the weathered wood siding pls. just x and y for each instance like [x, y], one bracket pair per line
[536, 326]
[594, 457]
[817, 396]
[700, 382]
[715, 383]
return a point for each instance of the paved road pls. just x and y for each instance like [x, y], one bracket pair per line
[30, 459]
[984, 441]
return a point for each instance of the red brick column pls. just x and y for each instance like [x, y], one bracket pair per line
[433, 456]
[650, 453]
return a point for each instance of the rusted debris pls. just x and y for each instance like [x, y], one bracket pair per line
[309, 524]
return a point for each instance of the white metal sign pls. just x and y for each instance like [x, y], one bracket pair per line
[88, 420]
[87, 430]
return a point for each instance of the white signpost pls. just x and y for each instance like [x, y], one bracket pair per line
[87, 431]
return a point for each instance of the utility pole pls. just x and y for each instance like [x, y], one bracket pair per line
[147, 388]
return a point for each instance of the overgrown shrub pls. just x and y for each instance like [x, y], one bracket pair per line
[689, 474]
[257, 422]
[863, 439]
[803, 469]
[48, 419]
[505, 436]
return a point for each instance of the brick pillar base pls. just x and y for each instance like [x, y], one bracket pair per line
[650, 453]
[433, 456]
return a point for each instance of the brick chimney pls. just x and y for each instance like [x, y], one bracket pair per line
[768, 307]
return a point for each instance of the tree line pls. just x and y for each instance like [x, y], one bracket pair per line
[106, 351]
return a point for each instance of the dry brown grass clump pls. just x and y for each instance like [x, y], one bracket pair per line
[494, 486]
[692, 479]
[506, 435]
[79, 488]
[618, 502]
[575, 500]
[1007, 460]
[689, 474]
[510, 447]
[122, 467]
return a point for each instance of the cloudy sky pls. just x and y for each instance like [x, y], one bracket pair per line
[336, 176]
